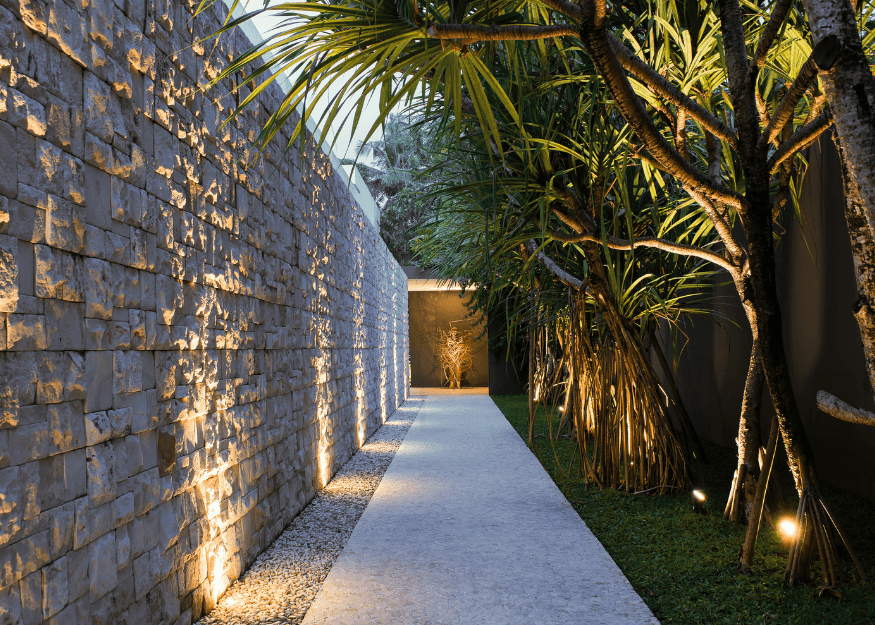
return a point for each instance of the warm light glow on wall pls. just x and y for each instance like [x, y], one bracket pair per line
[324, 468]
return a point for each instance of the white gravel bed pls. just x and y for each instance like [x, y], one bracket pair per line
[283, 581]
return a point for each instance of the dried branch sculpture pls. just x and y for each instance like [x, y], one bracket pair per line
[454, 353]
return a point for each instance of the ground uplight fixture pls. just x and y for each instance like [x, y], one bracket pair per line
[788, 528]
[698, 501]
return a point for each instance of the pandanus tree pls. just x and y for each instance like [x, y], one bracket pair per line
[727, 131]
[516, 223]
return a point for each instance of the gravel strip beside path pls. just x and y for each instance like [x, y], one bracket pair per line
[283, 581]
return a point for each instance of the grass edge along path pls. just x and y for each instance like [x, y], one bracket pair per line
[683, 564]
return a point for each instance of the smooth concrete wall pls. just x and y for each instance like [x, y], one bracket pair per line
[190, 348]
[431, 311]
[817, 294]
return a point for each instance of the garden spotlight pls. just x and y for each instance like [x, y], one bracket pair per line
[788, 528]
[698, 501]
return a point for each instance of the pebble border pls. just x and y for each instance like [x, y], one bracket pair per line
[285, 579]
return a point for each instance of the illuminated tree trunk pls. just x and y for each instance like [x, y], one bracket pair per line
[531, 386]
[850, 89]
[744, 484]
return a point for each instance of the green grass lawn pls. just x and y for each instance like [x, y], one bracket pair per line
[684, 565]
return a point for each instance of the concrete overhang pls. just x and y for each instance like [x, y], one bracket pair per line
[426, 280]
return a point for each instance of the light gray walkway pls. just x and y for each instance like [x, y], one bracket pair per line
[467, 527]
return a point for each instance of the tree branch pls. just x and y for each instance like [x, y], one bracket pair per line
[470, 33]
[636, 115]
[776, 19]
[742, 88]
[560, 274]
[800, 140]
[651, 242]
[835, 407]
[568, 220]
[720, 224]
[788, 104]
[662, 87]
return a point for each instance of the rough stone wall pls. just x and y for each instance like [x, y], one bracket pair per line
[189, 348]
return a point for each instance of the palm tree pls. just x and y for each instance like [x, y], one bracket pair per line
[403, 165]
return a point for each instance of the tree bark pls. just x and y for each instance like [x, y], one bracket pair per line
[747, 474]
[850, 89]
[759, 500]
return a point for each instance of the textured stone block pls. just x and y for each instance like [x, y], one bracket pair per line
[65, 228]
[65, 325]
[67, 426]
[65, 126]
[98, 381]
[54, 583]
[118, 334]
[101, 474]
[98, 155]
[127, 372]
[10, 605]
[98, 284]
[8, 159]
[95, 335]
[61, 521]
[66, 29]
[25, 332]
[102, 111]
[123, 509]
[25, 113]
[20, 559]
[100, 14]
[98, 427]
[58, 274]
[123, 548]
[102, 577]
[120, 418]
[8, 274]
[166, 152]
[127, 202]
[27, 223]
[31, 588]
[50, 378]
[30, 480]
[77, 573]
[11, 508]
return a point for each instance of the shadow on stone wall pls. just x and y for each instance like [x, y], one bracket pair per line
[190, 348]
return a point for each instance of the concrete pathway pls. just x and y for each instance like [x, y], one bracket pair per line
[467, 527]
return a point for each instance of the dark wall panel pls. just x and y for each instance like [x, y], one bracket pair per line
[816, 278]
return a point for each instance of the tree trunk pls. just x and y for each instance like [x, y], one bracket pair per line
[531, 385]
[850, 89]
[744, 484]
[759, 499]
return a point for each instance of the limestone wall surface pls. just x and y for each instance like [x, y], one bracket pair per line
[188, 348]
